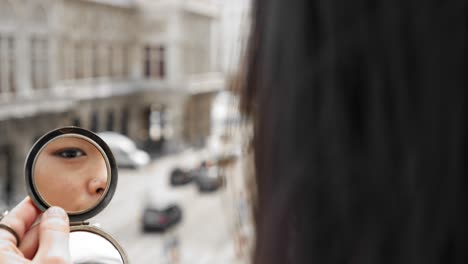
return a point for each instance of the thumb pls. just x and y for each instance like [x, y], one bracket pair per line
[54, 232]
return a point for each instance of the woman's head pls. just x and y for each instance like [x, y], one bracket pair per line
[359, 130]
[70, 172]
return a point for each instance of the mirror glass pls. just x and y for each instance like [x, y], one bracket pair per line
[90, 248]
[71, 172]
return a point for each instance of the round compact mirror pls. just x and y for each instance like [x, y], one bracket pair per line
[74, 169]
[86, 247]
[71, 172]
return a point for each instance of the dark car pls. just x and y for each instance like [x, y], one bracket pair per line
[180, 177]
[206, 184]
[206, 178]
[160, 219]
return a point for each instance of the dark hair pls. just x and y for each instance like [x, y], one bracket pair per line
[360, 133]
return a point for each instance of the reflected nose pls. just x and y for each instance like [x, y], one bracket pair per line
[97, 186]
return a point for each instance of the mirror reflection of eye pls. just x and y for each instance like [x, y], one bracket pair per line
[69, 153]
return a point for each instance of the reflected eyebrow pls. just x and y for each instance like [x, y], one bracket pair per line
[68, 143]
[55, 147]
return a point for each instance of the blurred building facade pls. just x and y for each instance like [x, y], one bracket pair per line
[235, 21]
[145, 68]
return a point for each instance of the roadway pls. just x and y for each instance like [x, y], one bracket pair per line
[205, 234]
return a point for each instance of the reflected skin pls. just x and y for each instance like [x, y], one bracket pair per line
[70, 173]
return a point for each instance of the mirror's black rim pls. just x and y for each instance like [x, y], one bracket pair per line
[59, 132]
[101, 151]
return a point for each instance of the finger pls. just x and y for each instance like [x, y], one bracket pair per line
[54, 232]
[19, 219]
[30, 242]
[12, 258]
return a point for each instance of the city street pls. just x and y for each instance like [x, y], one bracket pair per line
[203, 236]
[142, 71]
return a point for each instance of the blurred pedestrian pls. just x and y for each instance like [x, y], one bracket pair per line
[171, 247]
[360, 131]
[241, 234]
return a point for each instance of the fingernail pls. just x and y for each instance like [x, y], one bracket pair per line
[55, 211]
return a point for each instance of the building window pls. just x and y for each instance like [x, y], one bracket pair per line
[111, 61]
[154, 62]
[161, 64]
[12, 64]
[7, 65]
[160, 128]
[147, 62]
[94, 121]
[79, 63]
[63, 60]
[102, 60]
[125, 61]
[110, 121]
[87, 60]
[34, 64]
[76, 122]
[6, 169]
[39, 63]
[119, 61]
[68, 58]
[95, 60]
[124, 121]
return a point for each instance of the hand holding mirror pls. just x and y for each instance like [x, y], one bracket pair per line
[74, 169]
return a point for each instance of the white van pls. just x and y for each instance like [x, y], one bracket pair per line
[125, 151]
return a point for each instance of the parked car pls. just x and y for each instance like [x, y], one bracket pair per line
[207, 178]
[126, 153]
[160, 219]
[180, 177]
